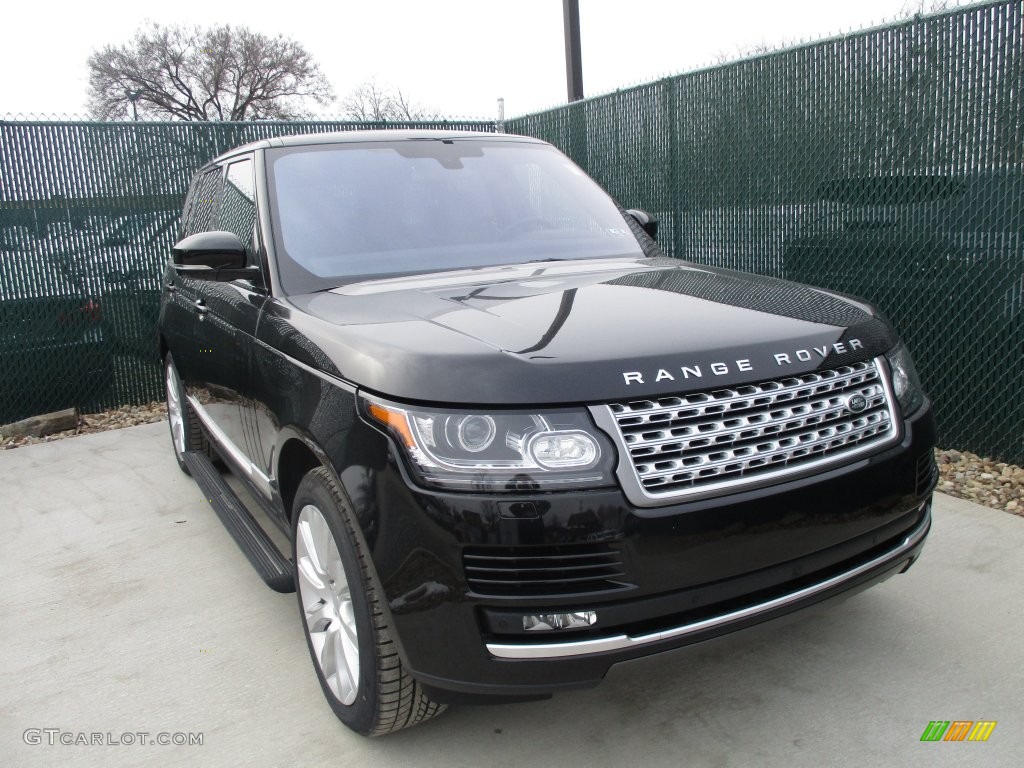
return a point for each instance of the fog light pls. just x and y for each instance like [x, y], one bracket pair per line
[543, 621]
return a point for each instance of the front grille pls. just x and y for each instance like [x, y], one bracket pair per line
[729, 438]
[544, 571]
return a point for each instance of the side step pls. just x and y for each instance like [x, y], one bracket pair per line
[273, 567]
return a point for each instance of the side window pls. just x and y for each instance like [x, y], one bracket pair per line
[199, 210]
[238, 204]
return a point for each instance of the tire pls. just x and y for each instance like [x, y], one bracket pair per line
[186, 434]
[346, 629]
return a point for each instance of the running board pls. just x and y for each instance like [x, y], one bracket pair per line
[273, 567]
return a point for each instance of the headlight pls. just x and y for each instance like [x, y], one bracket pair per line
[905, 384]
[498, 450]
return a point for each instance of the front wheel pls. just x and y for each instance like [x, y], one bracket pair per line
[346, 630]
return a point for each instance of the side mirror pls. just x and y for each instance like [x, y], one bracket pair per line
[216, 255]
[647, 222]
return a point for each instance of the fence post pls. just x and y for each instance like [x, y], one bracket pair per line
[670, 116]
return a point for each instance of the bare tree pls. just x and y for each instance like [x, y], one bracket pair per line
[920, 7]
[189, 73]
[371, 102]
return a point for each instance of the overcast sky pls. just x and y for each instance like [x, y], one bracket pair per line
[455, 56]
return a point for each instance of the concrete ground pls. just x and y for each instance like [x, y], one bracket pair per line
[125, 607]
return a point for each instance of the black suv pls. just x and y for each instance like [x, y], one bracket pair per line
[511, 442]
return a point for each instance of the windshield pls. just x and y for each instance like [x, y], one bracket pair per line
[345, 212]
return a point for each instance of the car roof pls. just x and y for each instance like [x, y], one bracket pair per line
[350, 137]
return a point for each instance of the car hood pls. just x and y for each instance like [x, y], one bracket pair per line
[576, 332]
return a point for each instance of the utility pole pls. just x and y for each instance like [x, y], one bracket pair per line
[573, 64]
[133, 97]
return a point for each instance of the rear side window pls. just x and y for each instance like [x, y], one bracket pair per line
[238, 204]
[201, 205]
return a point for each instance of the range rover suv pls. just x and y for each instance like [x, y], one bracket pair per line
[509, 441]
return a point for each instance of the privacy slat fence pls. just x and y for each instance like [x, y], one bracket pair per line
[887, 164]
[88, 214]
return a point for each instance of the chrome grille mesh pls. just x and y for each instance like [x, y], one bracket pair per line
[702, 441]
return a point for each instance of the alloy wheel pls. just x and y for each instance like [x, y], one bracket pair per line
[175, 413]
[327, 604]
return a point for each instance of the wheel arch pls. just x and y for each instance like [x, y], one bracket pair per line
[298, 454]
[295, 459]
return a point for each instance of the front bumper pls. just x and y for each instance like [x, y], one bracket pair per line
[687, 572]
[899, 558]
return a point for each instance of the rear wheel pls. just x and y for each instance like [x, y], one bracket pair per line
[346, 630]
[185, 432]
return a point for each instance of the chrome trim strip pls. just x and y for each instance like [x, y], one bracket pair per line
[629, 479]
[538, 651]
[259, 479]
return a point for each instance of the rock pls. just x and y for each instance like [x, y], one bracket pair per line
[45, 424]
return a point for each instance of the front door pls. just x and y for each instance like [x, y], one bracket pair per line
[225, 328]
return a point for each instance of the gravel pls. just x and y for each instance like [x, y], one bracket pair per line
[993, 483]
[963, 474]
[118, 418]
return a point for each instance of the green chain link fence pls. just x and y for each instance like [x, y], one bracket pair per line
[888, 164]
[88, 215]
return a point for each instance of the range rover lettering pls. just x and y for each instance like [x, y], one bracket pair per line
[510, 442]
